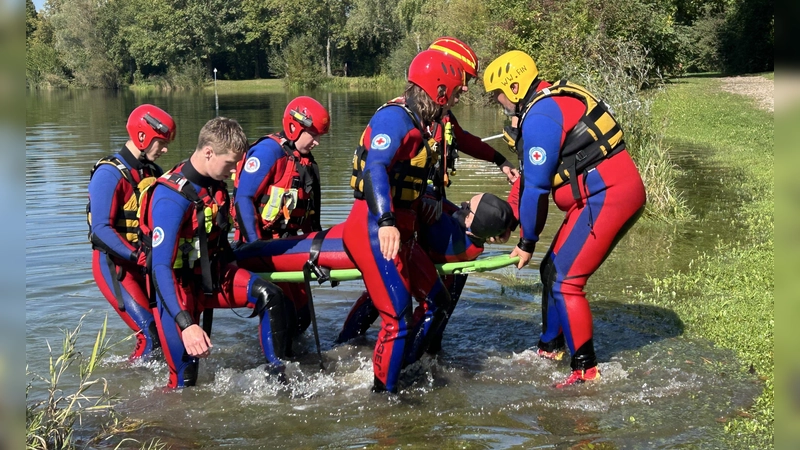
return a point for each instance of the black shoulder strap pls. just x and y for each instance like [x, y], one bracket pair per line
[123, 169]
[187, 190]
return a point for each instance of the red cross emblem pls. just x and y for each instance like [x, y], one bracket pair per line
[252, 164]
[381, 142]
[537, 156]
[158, 236]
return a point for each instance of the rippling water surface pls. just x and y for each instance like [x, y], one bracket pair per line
[485, 390]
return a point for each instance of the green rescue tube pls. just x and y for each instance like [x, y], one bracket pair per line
[479, 265]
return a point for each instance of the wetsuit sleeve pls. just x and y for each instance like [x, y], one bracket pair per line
[169, 210]
[259, 165]
[389, 131]
[542, 135]
[106, 196]
[473, 146]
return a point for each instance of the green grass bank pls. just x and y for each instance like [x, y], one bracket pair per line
[728, 294]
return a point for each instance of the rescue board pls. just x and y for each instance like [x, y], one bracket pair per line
[476, 266]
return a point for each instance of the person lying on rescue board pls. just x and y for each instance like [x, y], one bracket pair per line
[459, 236]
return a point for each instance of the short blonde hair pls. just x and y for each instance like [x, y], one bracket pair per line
[223, 135]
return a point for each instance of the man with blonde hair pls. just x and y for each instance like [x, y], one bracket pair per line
[185, 219]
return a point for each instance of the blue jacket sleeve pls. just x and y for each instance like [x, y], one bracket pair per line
[103, 188]
[389, 129]
[168, 213]
[541, 136]
[258, 164]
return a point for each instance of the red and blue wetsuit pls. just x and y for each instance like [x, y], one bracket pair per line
[435, 233]
[271, 172]
[189, 277]
[391, 169]
[113, 203]
[445, 240]
[610, 197]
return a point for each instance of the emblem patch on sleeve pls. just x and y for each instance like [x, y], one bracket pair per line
[252, 164]
[380, 142]
[158, 236]
[537, 156]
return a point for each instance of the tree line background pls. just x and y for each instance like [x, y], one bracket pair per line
[177, 43]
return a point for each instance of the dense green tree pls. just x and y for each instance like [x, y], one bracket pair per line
[747, 38]
[113, 42]
[373, 27]
[31, 19]
[180, 32]
[82, 37]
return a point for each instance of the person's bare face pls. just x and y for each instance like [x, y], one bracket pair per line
[472, 204]
[157, 148]
[221, 166]
[306, 142]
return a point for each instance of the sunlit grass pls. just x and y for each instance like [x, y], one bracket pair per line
[727, 295]
[245, 86]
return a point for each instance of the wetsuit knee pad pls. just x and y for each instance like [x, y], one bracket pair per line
[270, 300]
[442, 300]
[547, 273]
[190, 374]
[152, 331]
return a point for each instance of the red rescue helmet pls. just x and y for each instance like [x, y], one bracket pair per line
[459, 50]
[148, 122]
[431, 69]
[305, 113]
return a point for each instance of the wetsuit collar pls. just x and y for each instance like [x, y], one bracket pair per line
[133, 162]
[536, 86]
[194, 176]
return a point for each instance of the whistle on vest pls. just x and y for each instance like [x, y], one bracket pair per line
[289, 203]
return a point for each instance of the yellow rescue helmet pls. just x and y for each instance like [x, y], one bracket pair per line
[509, 68]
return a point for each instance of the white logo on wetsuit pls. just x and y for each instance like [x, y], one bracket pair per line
[158, 236]
[380, 142]
[537, 156]
[252, 164]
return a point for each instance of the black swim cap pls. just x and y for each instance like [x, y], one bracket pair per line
[492, 217]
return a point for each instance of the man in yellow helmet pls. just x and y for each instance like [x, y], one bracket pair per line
[569, 144]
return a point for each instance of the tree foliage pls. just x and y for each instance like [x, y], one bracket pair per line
[110, 43]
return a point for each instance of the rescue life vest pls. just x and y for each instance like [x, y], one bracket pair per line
[595, 137]
[127, 223]
[285, 204]
[408, 179]
[202, 239]
[450, 149]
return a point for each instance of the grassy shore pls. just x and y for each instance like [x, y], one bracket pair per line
[728, 295]
[330, 84]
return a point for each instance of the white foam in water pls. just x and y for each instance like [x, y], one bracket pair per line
[255, 386]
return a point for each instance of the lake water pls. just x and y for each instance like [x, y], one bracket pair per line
[485, 390]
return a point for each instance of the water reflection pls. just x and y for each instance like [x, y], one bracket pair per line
[485, 390]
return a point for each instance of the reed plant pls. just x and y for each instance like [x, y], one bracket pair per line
[71, 392]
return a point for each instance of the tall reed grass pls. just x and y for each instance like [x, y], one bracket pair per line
[57, 403]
